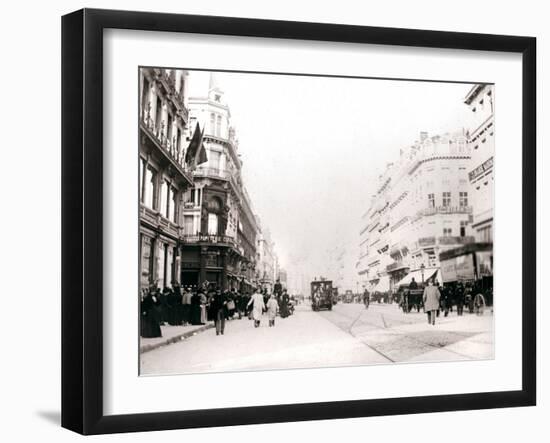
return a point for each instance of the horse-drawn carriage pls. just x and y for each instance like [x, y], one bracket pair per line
[411, 299]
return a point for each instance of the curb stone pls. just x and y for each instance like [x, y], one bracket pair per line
[174, 339]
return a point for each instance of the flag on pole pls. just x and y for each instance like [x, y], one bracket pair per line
[196, 154]
[202, 157]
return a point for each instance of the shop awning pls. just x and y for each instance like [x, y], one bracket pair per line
[437, 277]
[383, 285]
[417, 275]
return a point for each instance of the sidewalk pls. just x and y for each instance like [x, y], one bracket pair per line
[171, 334]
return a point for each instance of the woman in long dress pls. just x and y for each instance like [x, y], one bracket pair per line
[150, 316]
[196, 309]
[284, 305]
[258, 306]
[203, 307]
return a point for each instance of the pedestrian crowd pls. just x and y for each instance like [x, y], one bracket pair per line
[191, 305]
[438, 298]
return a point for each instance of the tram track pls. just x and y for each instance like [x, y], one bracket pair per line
[356, 321]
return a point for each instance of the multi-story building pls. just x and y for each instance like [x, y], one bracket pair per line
[480, 100]
[247, 235]
[219, 226]
[421, 208]
[164, 176]
[266, 271]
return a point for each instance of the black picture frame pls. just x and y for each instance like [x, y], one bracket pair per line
[82, 215]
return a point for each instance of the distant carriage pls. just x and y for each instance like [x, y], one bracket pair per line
[321, 295]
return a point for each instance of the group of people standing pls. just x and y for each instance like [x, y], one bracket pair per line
[437, 298]
[173, 305]
[190, 305]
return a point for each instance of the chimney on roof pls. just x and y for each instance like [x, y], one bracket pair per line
[423, 136]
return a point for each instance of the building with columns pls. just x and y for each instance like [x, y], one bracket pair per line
[480, 100]
[421, 208]
[164, 177]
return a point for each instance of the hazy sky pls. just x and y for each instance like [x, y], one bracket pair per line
[312, 148]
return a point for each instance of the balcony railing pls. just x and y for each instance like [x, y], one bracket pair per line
[445, 210]
[450, 240]
[212, 172]
[190, 205]
[213, 239]
[396, 265]
[426, 241]
[218, 173]
[445, 240]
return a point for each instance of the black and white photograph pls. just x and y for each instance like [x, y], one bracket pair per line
[306, 221]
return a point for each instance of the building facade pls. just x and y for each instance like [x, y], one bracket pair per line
[247, 236]
[219, 226]
[266, 271]
[480, 100]
[421, 207]
[164, 177]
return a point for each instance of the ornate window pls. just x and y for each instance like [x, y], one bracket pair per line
[212, 224]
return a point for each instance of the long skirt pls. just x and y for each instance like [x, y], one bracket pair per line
[283, 310]
[150, 326]
[195, 314]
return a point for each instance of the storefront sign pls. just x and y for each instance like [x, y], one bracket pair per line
[459, 268]
[465, 267]
[448, 270]
[484, 260]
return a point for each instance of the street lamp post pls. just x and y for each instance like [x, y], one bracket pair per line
[422, 267]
